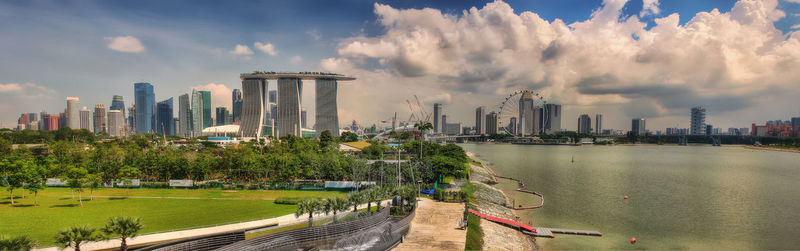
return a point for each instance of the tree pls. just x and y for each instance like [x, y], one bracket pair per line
[348, 137]
[94, 181]
[355, 199]
[76, 236]
[308, 206]
[77, 180]
[34, 183]
[128, 173]
[334, 204]
[15, 181]
[17, 243]
[326, 140]
[124, 227]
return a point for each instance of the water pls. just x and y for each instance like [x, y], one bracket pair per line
[680, 197]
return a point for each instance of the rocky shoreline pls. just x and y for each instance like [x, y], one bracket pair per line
[489, 199]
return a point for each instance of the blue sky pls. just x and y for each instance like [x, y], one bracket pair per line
[62, 48]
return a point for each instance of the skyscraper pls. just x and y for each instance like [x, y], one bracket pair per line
[552, 121]
[86, 119]
[512, 123]
[116, 123]
[327, 108]
[117, 103]
[236, 105]
[184, 116]
[598, 124]
[273, 96]
[145, 101]
[289, 90]
[197, 112]
[584, 124]
[709, 129]
[131, 119]
[796, 126]
[73, 117]
[698, 123]
[437, 117]
[254, 94]
[492, 123]
[99, 118]
[638, 127]
[444, 124]
[480, 120]
[222, 116]
[206, 109]
[165, 121]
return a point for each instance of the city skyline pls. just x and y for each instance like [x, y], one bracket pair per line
[734, 99]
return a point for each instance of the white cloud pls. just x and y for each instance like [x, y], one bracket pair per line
[796, 26]
[128, 44]
[266, 48]
[242, 50]
[26, 89]
[296, 59]
[13, 87]
[649, 7]
[722, 60]
[314, 33]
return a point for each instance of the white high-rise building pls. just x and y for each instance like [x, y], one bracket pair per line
[698, 123]
[86, 119]
[197, 112]
[73, 113]
[480, 120]
[116, 123]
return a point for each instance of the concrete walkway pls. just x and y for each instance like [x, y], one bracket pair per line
[150, 239]
[435, 227]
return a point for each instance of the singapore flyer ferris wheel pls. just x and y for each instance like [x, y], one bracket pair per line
[523, 113]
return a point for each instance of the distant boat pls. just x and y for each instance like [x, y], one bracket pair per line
[573, 159]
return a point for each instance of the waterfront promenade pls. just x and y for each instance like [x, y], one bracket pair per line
[435, 227]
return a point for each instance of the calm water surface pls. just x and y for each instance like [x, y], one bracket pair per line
[680, 197]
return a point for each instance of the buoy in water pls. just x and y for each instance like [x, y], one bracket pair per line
[626, 197]
[633, 240]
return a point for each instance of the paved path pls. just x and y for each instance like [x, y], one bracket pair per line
[150, 239]
[435, 227]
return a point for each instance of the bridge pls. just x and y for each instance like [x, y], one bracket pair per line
[545, 232]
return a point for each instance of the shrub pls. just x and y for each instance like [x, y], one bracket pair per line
[287, 200]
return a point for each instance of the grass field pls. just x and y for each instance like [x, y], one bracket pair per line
[158, 214]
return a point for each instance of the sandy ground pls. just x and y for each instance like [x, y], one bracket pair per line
[435, 227]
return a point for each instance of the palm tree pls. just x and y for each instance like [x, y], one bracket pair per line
[308, 206]
[17, 243]
[334, 205]
[124, 227]
[355, 198]
[377, 197]
[75, 236]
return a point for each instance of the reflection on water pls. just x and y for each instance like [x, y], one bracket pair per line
[680, 197]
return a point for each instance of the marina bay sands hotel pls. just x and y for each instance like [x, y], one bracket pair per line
[290, 87]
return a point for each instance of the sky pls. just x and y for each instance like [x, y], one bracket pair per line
[623, 59]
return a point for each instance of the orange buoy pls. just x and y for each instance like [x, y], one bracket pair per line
[633, 240]
[626, 197]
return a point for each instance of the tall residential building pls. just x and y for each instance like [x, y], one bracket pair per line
[86, 119]
[164, 119]
[698, 123]
[552, 118]
[444, 124]
[184, 116]
[207, 109]
[117, 103]
[236, 105]
[99, 118]
[222, 115]
[131, 120]
[512, 123]
[145, 101]
[598, 124]
[480, 120]
[638, 127]
[72, 113]
[197, 112]
[116, 123]
[49, 121]
[437, 117]
[584, 124]
[304, 118]
[492, 123]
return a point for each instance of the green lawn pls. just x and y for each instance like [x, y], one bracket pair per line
[55, 212]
